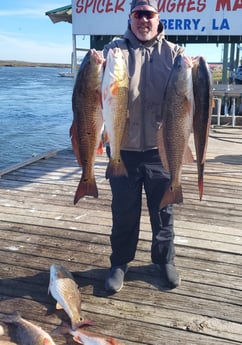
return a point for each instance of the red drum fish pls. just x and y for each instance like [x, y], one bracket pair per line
[202, 87]
[176, 126]
[85, 337]
[65, 290]
[87, 121]
[28, 333]
[115, 107]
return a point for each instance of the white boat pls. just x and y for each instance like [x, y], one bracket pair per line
[66, 74]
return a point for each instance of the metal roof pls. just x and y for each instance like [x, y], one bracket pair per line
[61, 14]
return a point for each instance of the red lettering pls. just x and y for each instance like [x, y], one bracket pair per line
[180, 6]
[221, 4]
[100, 4]
[89, 3]
[237, 5]
[226, 5]
[190, 6]
[109, 6]
[119, 6]
[79, 6]
[161, 6]
[201, 5]
[171, 5]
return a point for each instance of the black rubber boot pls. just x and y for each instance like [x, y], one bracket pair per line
[115, 279]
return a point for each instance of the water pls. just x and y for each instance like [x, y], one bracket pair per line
[35, 112]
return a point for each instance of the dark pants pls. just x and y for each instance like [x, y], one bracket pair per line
[144, 169]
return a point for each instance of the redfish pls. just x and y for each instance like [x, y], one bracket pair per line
[176, 126]
[85, 337]
[115, 107]
[202, 86]
[87, 122]
[28, 333]
[64, 289]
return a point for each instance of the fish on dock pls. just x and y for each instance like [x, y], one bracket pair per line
[64, 289]
[202, 86]
[173, 136]
[115, 107]
[82, 336]
[87, 122]
[28, 333]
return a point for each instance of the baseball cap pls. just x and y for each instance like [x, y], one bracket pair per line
[151, 3]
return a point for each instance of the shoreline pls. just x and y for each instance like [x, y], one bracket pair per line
[17, 63]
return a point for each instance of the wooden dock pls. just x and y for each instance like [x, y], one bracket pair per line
[40, 226]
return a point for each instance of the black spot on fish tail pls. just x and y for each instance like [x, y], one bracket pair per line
[116, 168]
[86, 187]
[172, 196]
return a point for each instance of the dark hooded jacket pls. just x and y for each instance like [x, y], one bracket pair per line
[149, 67]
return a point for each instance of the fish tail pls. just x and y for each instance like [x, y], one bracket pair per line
[200, 188]
[11, 318]
[86, 188]
[200, 181]
[74, 142]
[172, 196]
[62, 329]
[116, 168]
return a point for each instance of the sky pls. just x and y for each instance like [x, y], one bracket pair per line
[27, 34]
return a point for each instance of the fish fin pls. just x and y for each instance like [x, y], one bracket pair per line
[74, 142]
[86, 188]
[100, 99]
[161, 148]
[172, 196]
[58, 306]
[116, 168]
[112, 341]
[188, 155]
[114, 88]
[189, 105]
[100, 148]
[77, 339]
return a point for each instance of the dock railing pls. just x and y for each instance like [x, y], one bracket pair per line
[229, 98]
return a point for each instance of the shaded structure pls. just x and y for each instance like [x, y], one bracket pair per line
[231, 57]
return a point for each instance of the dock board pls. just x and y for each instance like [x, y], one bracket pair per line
[40, 226]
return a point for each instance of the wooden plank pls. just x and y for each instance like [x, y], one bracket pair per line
[44, 155]
[39, 225]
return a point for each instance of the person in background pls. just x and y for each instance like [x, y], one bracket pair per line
[149, 57]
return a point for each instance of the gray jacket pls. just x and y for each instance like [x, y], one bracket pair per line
[149, 68]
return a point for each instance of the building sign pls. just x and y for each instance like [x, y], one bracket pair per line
[179, 17]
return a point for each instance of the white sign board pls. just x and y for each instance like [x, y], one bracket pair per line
[179, 17]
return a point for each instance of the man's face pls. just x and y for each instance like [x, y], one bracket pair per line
[144, 22]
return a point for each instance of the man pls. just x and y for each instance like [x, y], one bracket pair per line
[150, 58]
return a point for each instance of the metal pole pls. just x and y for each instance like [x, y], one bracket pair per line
[74, 57]
[225, 63]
